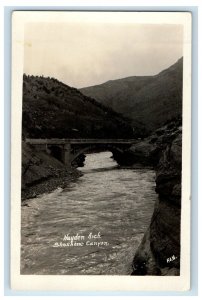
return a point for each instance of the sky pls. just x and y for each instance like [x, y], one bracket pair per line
[83, 54]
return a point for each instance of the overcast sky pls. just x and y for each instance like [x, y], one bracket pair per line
[85, 54]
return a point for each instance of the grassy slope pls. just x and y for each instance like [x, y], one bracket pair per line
[53, 109]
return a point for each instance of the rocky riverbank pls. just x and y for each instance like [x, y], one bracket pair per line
[159, 251]
[42, 173]
[148, 151]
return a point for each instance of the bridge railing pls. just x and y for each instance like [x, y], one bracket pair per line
[78, 141]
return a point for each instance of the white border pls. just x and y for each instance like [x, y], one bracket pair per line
[97, 283]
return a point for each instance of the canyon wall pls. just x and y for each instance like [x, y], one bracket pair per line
[159, 251]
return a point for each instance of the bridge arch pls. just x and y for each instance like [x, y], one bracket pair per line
[96, 148]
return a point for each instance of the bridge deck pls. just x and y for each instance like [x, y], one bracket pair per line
[78, 141]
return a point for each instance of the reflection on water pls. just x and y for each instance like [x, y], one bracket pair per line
[93, 226]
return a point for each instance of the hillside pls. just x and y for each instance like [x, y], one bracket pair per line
[53, 109]
[147, 100]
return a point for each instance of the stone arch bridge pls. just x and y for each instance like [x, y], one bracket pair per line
[67, 150]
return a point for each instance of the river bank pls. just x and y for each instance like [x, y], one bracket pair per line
[50, 184]
[42, 173]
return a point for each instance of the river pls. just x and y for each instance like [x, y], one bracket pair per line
[93, 226]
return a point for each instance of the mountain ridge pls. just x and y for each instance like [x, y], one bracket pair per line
[143, 98]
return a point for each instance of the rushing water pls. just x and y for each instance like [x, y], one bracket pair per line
[93, 226]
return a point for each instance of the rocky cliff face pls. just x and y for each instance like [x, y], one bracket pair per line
[148, 151]
[159, 252]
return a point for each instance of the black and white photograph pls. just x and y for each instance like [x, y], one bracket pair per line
[104, 120]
